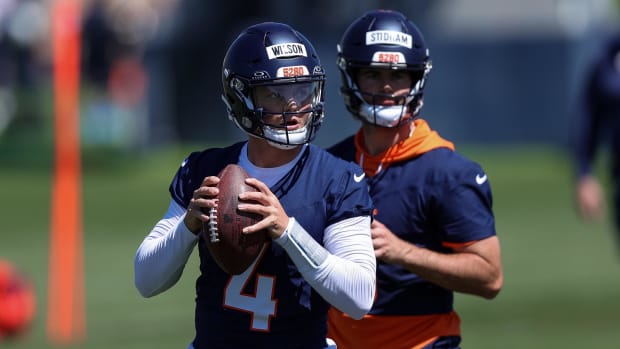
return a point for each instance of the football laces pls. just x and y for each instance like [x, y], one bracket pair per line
[213, 234]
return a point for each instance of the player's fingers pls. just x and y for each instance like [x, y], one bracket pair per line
[203, 203]
[274, 221]
[258, 226]
[376, 224]
[374, 234]
[205, 192]
[210, 180]
[270, 224]
[591, 211]
[200, 207]
[262, 187]
[254, 207]
[379, 253]
[193, 211]
[264, 197]
[261, 204]
[255, 197]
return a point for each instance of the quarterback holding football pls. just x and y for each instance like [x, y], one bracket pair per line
[314, 209]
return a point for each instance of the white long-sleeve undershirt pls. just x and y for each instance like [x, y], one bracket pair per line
[345, 278]
[162, 255]
[344, 275]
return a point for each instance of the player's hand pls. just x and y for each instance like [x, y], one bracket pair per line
[388, 247]
[268, 206]
[202, 201]
[590, 199]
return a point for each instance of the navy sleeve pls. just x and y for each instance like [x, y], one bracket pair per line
[588, 125]
[465, 207]
[182, 186]
[199, 165]
[352, 193]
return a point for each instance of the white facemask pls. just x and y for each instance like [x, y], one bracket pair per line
[386, 116]
[279, 137]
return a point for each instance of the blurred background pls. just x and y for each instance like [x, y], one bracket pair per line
[504, 72]
[504, 86]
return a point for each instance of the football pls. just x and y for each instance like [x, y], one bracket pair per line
[232, 250]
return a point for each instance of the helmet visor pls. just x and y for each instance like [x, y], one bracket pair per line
[280, 98]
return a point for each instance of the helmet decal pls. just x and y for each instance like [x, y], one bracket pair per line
[260, 75]
[388, 57]
[388, 37]
[286, 50]
[298, 70]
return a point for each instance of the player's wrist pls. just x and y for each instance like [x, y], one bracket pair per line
[291, 221]
[193, 225]
[302, 248]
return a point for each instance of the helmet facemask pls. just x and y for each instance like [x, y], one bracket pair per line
[285, 104]
[273, 107]
[366, 107]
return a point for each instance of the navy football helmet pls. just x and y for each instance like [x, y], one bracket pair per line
[388, 40]
[275, 56]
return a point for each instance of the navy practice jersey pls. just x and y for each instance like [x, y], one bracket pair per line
[435, 200]
[271, 305]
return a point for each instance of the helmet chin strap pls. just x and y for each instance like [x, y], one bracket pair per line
[286, 140]
[386, 116]
[275, 144]
[283, 146]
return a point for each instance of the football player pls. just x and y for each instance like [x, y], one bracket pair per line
[315, 208]
[433, 228]
[599, 126]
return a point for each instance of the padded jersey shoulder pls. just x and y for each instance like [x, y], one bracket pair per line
[198, 165]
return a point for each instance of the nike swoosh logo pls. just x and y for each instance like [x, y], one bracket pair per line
[481, 179]
[358, 178]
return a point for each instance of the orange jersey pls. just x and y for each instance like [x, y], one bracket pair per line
[394, 332]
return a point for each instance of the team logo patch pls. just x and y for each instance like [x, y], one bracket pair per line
[297, 70]
[388, 37]
[389, 57]
[286, 50]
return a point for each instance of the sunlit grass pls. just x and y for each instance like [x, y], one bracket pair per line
[561, 275]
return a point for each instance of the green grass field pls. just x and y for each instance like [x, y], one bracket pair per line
[562, 276]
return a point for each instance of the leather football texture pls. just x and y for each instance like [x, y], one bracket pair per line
[231, 249]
